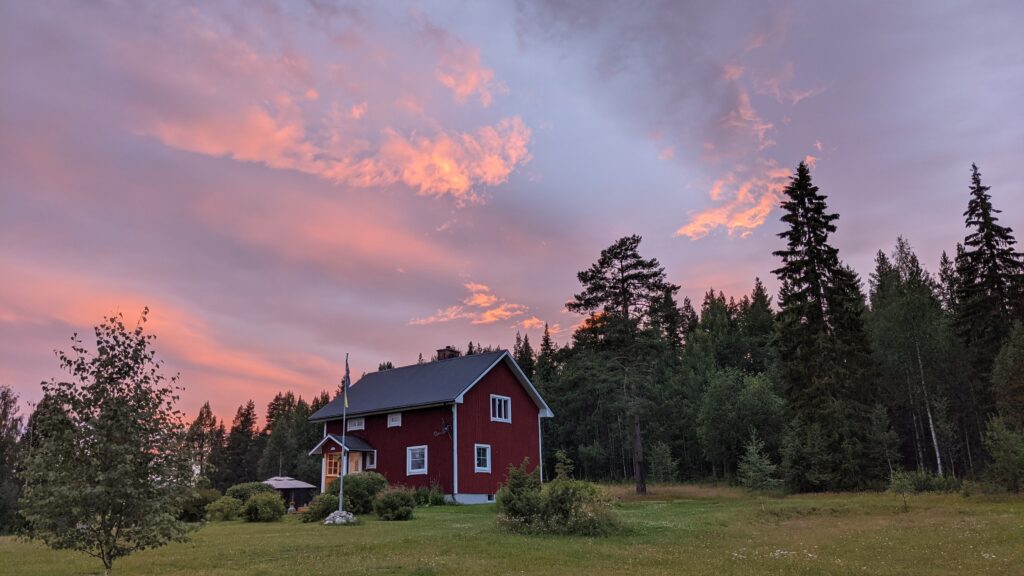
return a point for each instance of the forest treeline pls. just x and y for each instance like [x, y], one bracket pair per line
[834, 383]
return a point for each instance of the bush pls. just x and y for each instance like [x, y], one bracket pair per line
[436, 496]
[519, 500]
[394, 504]
[578, 508]
[242, 492]
[563, 506]
[422, 496]
[196, 501]
[1006, 446]
[264, 507]
[756, 470]
[224, 508]
[320, 507]
[360, 490]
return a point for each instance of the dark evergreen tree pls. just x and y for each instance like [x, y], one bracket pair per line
[10, 433]
[386, 366]
[242, 450]
[525, 357]
[545, 368]
[201, 437]
[756, 325]
[990, 290]
[822, 351]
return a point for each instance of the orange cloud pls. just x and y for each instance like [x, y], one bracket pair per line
[752, 197]
[745, 118]
[460, 70]
[480, 307]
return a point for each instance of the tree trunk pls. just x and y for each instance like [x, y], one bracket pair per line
[914, 425]
[638, 457]
[928, 410]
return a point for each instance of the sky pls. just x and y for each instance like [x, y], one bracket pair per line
[282, 183]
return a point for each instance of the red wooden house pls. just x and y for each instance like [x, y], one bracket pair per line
[457, 423]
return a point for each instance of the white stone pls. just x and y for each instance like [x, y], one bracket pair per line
[337, 517]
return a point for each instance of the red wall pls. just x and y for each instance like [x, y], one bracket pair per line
[510, 442]
[418, 427]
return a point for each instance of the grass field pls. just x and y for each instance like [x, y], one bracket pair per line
[674, 530]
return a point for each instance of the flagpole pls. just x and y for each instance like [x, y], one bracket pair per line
[344, 428]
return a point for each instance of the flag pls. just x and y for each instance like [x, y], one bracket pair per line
[346, 383]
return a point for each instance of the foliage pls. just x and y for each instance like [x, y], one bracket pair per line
[360, 490]
[264, 507]
[901, 484]
[10, 431]
[394, 504]
[108, 470]
[756, 470]
[519, 499]
[422, 495]
[662, 464]
[242, 449]
[523, 354]
[578, 508]
[242, 492]
[196, 502]
[1006, 445]
[321, 506]
[224, 508]
[1008, 378]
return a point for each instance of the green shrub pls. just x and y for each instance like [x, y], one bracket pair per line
[756, 470]
[1006, 446]
[360, 490]
[196, 501]
[320, 507]
[578, 508]
[264, 507]
[224, 508]
[519, 500]
[422, 496]
[394, 504]
[436, 496]
[242, 492]
[901, 484]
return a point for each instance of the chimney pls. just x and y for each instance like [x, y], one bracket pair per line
[448, 352]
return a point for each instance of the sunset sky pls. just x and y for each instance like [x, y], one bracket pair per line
[282, 183]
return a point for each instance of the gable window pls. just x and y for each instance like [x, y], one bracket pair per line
[370, 459]
[394, 420]
[482, 461]
[415, 460]
[356, 424]
[501, 408]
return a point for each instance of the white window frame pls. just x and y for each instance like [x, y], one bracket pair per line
[476, 458]
[366, 460]
[395, 420]
[409, 471]
[508, 408]
[355, 424]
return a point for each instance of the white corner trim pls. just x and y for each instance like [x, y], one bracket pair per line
[408, 461]
[540, 449]
[545, 411]
[455, 452]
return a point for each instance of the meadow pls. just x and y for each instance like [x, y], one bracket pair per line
[673, 530]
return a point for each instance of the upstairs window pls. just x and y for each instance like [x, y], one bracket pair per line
[370, 459]
[501, 408]
[415, 460]
[394, 420]
[482, 460]
[356, 424]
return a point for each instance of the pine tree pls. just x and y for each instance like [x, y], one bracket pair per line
[525, 356]
[242, 451]
[990, 291]
[545, 369]
[756, 326]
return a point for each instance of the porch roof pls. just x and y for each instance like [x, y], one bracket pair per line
[352, 443]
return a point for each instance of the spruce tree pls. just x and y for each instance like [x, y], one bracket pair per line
[990, 291]
[525, 357]
[201, 437]
[545, 369]
[823, 354]
[242, 451]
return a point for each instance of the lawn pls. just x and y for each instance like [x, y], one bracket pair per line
[674, 530]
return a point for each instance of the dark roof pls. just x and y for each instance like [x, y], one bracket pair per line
[287, 483]
[351, 443]
[424, 384]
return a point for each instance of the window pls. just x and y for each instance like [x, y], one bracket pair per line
[394, 420]
[356, 424]
[501, 408]
[415, 460]
[333, 464]
[370, 459]
[482, 462]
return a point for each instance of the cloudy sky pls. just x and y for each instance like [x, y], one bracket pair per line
[282, 183]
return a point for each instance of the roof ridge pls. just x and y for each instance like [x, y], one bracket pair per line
[417, 364]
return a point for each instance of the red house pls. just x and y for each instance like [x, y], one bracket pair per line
[456, 423]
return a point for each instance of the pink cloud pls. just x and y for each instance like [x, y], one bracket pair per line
[480, 307]
[750, 198]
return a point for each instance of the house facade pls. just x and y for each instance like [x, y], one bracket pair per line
[457, 423]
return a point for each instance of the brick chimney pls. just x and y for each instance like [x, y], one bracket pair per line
[448, 352]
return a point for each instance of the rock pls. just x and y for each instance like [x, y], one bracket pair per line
[337, 517]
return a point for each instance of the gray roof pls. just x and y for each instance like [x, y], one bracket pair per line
[351, 443]
[286, 483]
[416, 385]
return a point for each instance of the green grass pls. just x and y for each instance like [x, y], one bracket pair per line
[675, 530]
